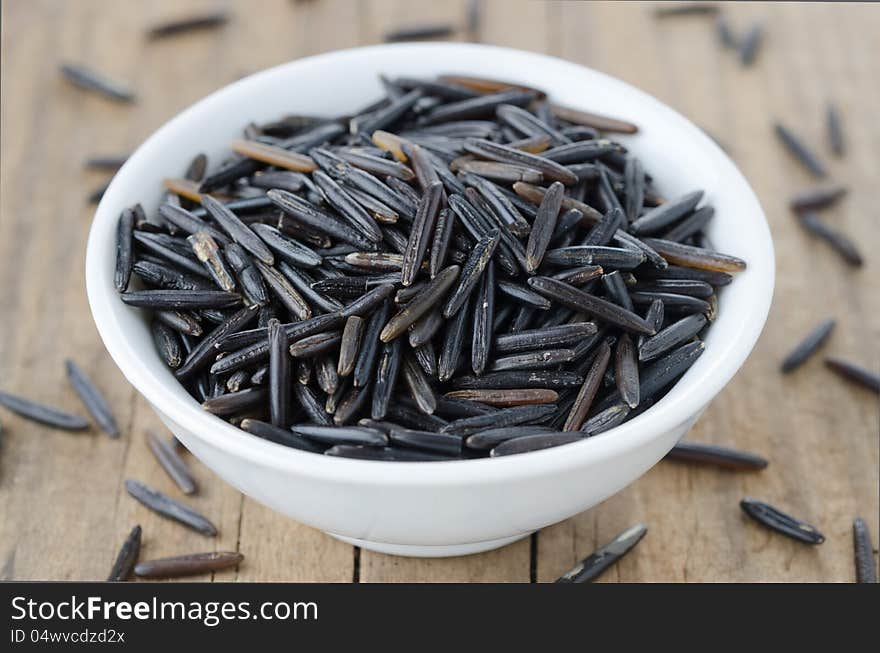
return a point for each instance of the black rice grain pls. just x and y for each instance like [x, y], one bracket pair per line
[92, 399]
[43, 414]
[171, 462]
[776, 520]
[127, 556]
[191, 564]
[808, 346]
[168, 507]
[593, 565]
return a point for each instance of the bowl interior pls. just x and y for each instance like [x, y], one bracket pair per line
[677, 154]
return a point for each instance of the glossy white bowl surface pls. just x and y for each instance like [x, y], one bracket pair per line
[453, 507]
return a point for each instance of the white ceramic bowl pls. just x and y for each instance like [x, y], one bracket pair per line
[448, 508]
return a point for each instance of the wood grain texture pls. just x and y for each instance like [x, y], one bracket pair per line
[63, 510]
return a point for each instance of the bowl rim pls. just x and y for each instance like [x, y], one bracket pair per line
[665, 415]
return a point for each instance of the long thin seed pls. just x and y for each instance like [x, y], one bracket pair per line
[606, 419]
[110, 162]
[634, 188]
[626, 370]
[189, 223]
[376, 165]
[127, 556]
[864, 552]
[179, 321]
[513, 379]
[203, 353]
[579, 300]
[593, 565]
[594, 120]
[835, 130]
[523, 295]
[473, 269]
[348, 348]
[440, 243]
[662, 216]
[696, 257]
[422, 228]
[170, 508]
[180, 299]
[287, 248]
[276, 156]
[349, 209]
[489, 438]
[484, 309]
[863, 377]
[434, 292]
[279, 435]
[838, 241]
[544, 225]
[208, 252]
[423, 330]
[443, 443]
[386, 116]
[92, 399]
[607, 257]
[124, 250]
[535, 442]
[533, 360]
[593, 379]
[367, 302]
[808, 346]
[506, 154]
[43, 414]
[513, 416]
[303, 284]
[478, 107]
[453, 343]
[345, 435]
[531, 339]
[191, 564]
[168, 344]
[366, 363]
[314, 218]
[710, 454]
[385, 453]
[750, 44]
[155, 245]
[781, 522]
[511, 397]
[284, 291]
[800, 151]
[89, 80]
[319, 343]
[183, 188]
[309, 402]
[690, 225]
[418, 385]
[279, 374]
[817, 198]
[672, 336]
[386, 377]
[207, 20]
[171, 462]
[238, 230]
[235, 402]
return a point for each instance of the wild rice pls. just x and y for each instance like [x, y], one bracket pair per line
[433, 260]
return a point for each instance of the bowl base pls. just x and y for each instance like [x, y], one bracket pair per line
[430, 550]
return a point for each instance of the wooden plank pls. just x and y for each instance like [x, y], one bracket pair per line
[823, 461]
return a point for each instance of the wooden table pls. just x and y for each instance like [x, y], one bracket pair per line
[63, 510]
